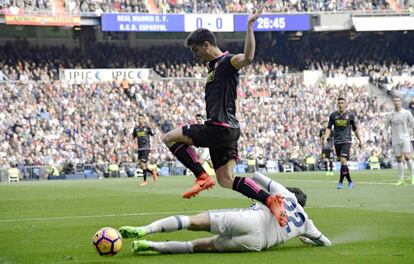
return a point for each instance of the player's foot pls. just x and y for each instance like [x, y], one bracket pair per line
[277, 207]
[144, 183]
[350, 185]
[400, 182]
[331, 173]
[139, 246]
[327, 173]
[204, 181]
[132, 232]
[339, 185]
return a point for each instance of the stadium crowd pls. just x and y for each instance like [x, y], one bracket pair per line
[233, 6]
[50, 121]
[97, 7]
[54, 122]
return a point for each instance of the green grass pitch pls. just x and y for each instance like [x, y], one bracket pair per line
[54, 221]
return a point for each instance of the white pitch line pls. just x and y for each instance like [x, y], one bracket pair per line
[91, 216]
[329, 181]
[112, 215]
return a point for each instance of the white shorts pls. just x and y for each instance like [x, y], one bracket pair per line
[238, 230]
[401, 148]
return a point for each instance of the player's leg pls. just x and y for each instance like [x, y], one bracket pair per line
[341, 175]
[199, 222]
[331, 157]
[407, 150]
[399, 156]
[142, 165]
[247, 187]
[179, 141]
[400, 167]
[175, 247]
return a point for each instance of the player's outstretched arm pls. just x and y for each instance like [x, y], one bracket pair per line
[241, 60]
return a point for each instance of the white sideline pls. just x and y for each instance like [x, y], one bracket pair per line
[92, 216]
[118, 215]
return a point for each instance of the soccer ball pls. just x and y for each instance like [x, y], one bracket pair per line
[107, 241]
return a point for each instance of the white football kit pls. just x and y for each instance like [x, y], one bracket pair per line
[401, 123]
[256, 228]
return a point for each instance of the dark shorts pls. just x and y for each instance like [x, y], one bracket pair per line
[143, 155]
[327, 154]
[221, 141]
[342, 150]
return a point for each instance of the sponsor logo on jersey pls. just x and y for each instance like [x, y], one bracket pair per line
[341, 122]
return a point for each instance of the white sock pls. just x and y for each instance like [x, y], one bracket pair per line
[410, 166]
[169, 224]
[400, 167]
[171, 247]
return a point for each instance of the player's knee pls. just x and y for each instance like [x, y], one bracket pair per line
[225, 182]
[407, 157]
[167, 139]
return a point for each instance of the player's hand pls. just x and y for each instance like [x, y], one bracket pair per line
[255, 15]
[307, 240]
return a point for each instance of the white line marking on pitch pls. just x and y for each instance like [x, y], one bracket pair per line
[92, 216]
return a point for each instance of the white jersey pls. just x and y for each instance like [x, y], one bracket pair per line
[401, 123]
[299, 223]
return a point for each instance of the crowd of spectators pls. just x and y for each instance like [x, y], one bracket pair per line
[53, 122]
[97, 7]
[15, 7]
[234, 6]
[50, 121]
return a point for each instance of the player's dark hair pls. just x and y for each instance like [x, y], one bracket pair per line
[341, 99]
[300, 195]
[199, 36]
[199, 115]
[396, 96]
[141, 115]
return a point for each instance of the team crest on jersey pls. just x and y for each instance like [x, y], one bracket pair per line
[211, 75]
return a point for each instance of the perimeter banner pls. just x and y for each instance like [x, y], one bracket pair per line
[42, 20]
[103, 75]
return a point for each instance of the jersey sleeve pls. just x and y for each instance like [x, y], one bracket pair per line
[230, 65]
[134, 134]
[150, 131]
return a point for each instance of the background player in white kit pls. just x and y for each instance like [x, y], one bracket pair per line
[402, 123]
[236, 230]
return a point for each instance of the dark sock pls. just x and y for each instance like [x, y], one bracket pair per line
[330, 165]
[347, 175]
[145, 174]
[325, 164]
[249, 188]
[187, 156]
[344, 173]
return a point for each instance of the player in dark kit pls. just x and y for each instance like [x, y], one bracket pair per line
[327, 150]
[343, 122]
[142, 133]
[221, 131]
